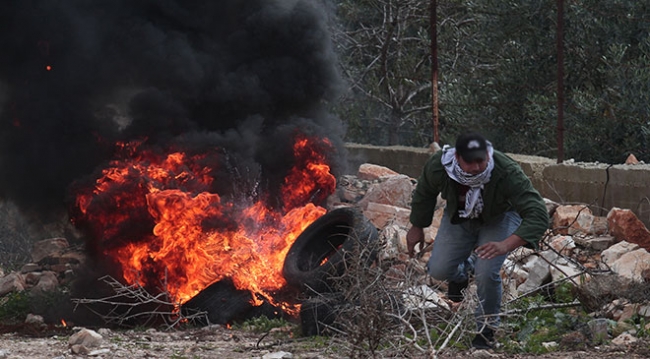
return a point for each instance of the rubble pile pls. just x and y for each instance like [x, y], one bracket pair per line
[605, 256]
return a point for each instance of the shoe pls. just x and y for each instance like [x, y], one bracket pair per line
[455, 291]
[470, 263]
[484, 340]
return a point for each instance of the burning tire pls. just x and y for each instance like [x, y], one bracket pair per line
[322, 249]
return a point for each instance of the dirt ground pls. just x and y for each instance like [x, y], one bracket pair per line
[224, 343]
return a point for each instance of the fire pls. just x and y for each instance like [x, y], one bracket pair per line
[154, 216]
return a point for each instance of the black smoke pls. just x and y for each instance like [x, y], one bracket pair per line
[77, 76]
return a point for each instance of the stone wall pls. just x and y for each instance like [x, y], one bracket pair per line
[600, 186]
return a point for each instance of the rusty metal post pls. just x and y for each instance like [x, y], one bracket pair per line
[560, 81]
[434, 70]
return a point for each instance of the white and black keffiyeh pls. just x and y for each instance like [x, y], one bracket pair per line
[474, 197]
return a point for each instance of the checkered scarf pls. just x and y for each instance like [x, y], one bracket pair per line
[474, 196]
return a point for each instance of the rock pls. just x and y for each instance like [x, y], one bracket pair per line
[394, 190]
[47, 282]
[613, 253]
[563, 244]
[34, 319]
[423, 297]
[599, 243]
[48, 247]
[624, 339]
[563, 268]
[631, 160]
[572, 219]
[85, 337]
[395, 237]
[598, 330]
[278, 355]
[79, 349]
[625, 226]
[538, 272]
[369, 171]
[98, 352]
[12, 282]
[644, 310]
[631, 265]
[483, 354]
[382, 215]
[29, 267]
[550, 346]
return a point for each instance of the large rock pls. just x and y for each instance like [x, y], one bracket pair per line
[369, 171]
[394, 190]
[382, 215]
[633, 265]
[572, 219]
[625, 226]
[12, 282]
[613, 253]
[48, 247]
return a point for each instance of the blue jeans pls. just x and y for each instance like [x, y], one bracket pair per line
[453, 246]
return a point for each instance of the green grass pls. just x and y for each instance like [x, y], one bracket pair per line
[14, 307]
[261, 324]
[526, 332]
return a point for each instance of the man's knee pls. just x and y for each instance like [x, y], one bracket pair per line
[440, 272]
[487, 274]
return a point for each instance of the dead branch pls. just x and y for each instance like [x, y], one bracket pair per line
[575, 303]
[133, 303]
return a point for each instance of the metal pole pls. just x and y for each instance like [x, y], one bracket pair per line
[560, 81]
[434, 70]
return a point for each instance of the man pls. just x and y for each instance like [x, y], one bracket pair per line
[492, 208]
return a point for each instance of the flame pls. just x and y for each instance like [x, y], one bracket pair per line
[64, 323]
[154, 215]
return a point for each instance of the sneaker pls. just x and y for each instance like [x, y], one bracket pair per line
[455, 291]
[484, 340]
[470, 263]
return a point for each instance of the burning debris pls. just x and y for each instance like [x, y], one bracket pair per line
[155, 217]
[188, 141]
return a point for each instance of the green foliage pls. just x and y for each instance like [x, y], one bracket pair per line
[261, 324]
[640, 325]
[14, 307]
[498, 74]
[527, 332]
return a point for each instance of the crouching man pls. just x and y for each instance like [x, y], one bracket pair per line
[492, 209]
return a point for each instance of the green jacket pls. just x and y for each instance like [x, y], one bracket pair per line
[509, 189]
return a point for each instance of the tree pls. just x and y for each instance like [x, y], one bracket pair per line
[385, 51]
[498, 74]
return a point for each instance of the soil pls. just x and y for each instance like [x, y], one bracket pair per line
[225, 343]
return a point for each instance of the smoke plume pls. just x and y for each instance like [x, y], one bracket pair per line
[77, 77]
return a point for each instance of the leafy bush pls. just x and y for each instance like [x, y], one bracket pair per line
[14, 307]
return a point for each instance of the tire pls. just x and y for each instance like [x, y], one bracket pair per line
[322, 249]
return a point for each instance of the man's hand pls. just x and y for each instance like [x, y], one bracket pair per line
[491, 249]
[414, 236]
[494, 249]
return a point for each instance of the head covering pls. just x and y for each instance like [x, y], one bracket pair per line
[472, 146]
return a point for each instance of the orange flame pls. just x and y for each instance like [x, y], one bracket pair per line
[157, 219]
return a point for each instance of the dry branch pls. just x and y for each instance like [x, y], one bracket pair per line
[134, 304]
